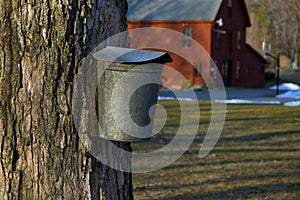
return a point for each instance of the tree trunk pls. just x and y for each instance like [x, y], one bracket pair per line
[43, 44]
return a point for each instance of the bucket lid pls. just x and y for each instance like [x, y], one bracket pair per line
[131, 56]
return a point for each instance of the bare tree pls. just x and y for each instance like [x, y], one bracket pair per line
[285, 19]
[261, 28]
[43, 44]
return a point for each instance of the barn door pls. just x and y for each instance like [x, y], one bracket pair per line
[226, 72]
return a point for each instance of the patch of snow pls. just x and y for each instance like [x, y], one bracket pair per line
[290, 94]
[174, 98]
[286, 86]
[242, 101]
[292, 103]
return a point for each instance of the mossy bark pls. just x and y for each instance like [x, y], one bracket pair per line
[42, 44]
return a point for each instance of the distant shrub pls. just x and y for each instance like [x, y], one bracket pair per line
[269, 75]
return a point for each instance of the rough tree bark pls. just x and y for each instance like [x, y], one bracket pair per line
[42, 44]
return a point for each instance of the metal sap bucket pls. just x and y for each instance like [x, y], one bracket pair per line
[128, 87]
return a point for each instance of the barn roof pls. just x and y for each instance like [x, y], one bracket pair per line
[250, 48]
[148, 10]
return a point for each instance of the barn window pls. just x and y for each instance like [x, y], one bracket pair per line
[239, 39]
[230, 7]
[225, 67]
[247, 70]
[218, 43]
[187, 37]
[237, 70]
[214, 70]
[197, 70]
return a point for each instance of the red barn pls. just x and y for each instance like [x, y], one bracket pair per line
[218, 25]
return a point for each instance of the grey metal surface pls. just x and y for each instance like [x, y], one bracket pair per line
[127, 55]
[146, 10]
[119, 106]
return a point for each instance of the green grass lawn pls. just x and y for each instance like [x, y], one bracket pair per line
[256, 157]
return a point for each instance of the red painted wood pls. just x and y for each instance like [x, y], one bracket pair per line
[247, 66]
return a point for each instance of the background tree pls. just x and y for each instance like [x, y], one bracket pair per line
[42, 44]
[286, 19]
[261, 28]
[276, 21]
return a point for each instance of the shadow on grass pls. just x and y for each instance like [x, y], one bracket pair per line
[256, 150]
[226, 162]
[257, 137]
[239, 192]
[242, 192]
[228, 180]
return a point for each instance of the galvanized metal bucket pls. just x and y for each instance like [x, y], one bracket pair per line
[127, 90]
